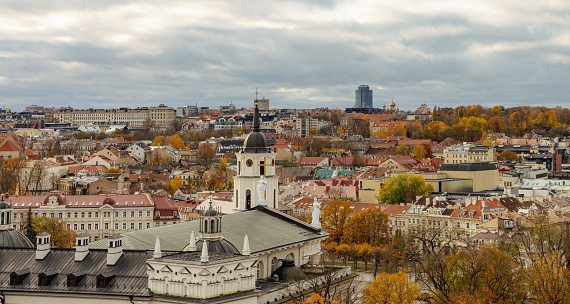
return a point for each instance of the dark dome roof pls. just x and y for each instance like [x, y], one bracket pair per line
[5, 205]
[218, 246]
[10, 238]
[256, 142]
[288, 271]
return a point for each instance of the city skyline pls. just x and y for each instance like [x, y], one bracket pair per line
[301, 55]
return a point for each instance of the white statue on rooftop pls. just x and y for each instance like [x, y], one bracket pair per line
[316, 221]
[261, 186]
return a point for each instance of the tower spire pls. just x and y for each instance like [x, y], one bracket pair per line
[256, 119]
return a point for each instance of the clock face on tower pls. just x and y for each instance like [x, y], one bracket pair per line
[249, 162]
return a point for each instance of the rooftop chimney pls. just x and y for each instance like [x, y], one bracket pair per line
[82, 247]
[43, 242]
[115, 250]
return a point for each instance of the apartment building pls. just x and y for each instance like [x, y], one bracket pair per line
[161, 115]
[99, 216]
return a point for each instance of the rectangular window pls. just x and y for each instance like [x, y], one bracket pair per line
[132, 214]
[140, 225]
[116, 226]
[148, 213]
[117, 214]
[88, 226]
[96, 214]
[148, 225]
[82, 226]
[124, 226]
[75, 215]
[74, 226]
[132, 226]
[124, 213]
[89, 214]
[140, 213]
[82, 214]
[96, 226]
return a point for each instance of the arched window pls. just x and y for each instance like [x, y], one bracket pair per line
[290, 257]
[213, 225]
[274, 265]
[259, 269]
[247, 199]
[205, 226]
[237, 198]
[2, 218]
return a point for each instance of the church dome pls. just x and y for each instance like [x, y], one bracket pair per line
[10, 238]
[4, 204]
[210, 212]
[218, 246]
[256, 142]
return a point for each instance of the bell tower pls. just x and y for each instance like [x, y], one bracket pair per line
[255, 182]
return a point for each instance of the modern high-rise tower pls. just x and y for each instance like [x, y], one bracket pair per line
[363, 97]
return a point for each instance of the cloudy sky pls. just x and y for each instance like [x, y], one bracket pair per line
[300, 54]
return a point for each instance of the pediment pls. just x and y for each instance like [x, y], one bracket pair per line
[239, 267]
[204, 272]
[185, 271]
[149, 267]
[166, 269]
[223, 269]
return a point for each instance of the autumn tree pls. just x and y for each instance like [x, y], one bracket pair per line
[317, 299]
[175, 184]
[158, 141]
[369, 226]
[61, 235]
[174, 141]
[10, 175]
[473, 127]
[433, 129]
[496, 124]
[391, 289]
[517, 123]
[334, 217]
[403, 188]
[206, 154]
[223, 164]
[423, 151]
[507, 156]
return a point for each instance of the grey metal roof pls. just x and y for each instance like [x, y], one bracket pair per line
[193, 258]
[266, 229]
[130, 272]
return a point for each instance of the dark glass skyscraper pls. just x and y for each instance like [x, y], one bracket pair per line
[363, 97]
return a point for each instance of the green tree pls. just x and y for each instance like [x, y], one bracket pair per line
[403, 188]
[29, 229]
[404, 150]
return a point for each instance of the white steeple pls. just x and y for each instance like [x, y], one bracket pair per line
[192, 246]
[256, 182]
[157, 253]
[204, 258]
[246, 250]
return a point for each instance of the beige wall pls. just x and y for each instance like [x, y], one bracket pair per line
[482, 180]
